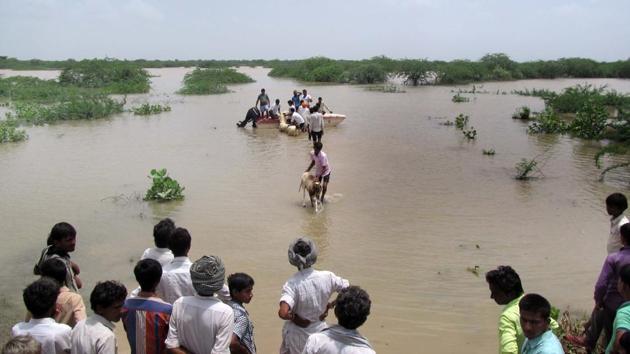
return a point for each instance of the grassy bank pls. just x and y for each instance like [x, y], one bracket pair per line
[211, 81]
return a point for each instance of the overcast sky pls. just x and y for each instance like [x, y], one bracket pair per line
[348, 29]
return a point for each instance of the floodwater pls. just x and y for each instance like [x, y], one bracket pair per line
[412, 203]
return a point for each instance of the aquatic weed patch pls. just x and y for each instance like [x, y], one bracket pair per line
[10, 133]
[148, 109]
[74, 108]
[163, 187]
[211, 81]
[111, 76]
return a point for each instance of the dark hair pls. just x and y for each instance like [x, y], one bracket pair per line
[277, 100]
[148, 273]
[301, 101]
[262, 90]
[239, 281]
[624, 341]
[40, 297]
[180, 242]
[302, 248]
[54, 268]
[106, 293]
[162, 232]
[352, 307]
[617, 200]
[624, 230]
[318, 145]
[319, 98]
[292, 109]
[60, 231]
[506, 279]
[624, 274]
[290, 102]
[535, 303]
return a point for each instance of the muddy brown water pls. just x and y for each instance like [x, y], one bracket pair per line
[412, 204]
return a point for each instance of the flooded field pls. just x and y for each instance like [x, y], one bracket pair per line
[413, 204]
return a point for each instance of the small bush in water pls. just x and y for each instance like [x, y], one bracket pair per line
[211, 81]
[147, 109]
[522, 113]
[488, 152]
[459, 98]
[590, 121]
[77, 107]
[526, 168]
[461, 121]
[470, 134]
[9, 132]
[164, 187]
[547, 122]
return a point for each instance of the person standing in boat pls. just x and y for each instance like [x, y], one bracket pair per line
[263, 99]
[321, 107]
[252, 114]
[307, 98]
[296, 98]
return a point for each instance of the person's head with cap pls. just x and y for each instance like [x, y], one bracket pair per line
[302, 253]
[208, 275]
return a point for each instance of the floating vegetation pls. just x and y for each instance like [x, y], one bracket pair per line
[461, 121]
[163, 188]
[527, 168]
[590, 121]
[147, 109]
[211, 81]
[109, 75]
[385, 89]
[31, 89]
[476, 270]
[547, 122]
[448, 123]
[77, 107]
[9, 132]
[522, 113]
[470, 134]
[459, 98]
[489, 152]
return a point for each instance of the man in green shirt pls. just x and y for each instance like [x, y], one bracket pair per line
[506, 289]
[621, 324]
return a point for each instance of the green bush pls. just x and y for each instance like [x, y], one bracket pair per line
[211, 81]
[461, 121]
[112, 76]
[147, 109]
[77, 107]
[163, 187]
[547, 122]
[9, 132]
[23, 88]
[590, 121]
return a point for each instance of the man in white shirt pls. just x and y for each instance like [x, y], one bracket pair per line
[616, 204]
[161, 235]
[316, 125]
[274, 112]
[297, 119]
[175, 281]
[40, 298]
[306, 97]
[352, 308]
[304, 300]
[95, 335]
[202, 324]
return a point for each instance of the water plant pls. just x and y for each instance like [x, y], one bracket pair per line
[109, 75]
[147, 109]
[385, 89]
[590, 120]
[211, 81]
[526, 169]
[448, 123]
[547, 122]
[163, 187]
[76, 107]
[9, 132]
[522, 113]
[470, 134]
[461, 121]
[459, 98]
[489, 152]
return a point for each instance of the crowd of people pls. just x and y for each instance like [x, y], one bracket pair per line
[181, 306]
[525, 325]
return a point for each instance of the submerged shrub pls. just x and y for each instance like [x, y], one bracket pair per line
[459, 98]
[522, 113]
[461, 121]
[9, 132]
[590, 121]
[547, 122]
[147, 109]
[112, 76]
[163, 187]
[211, 81]
[23, 88]
[77, 107]
[525, 168]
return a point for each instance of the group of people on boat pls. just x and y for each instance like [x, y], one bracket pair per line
[181, 305]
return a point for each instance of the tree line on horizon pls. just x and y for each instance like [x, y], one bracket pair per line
[491, 67]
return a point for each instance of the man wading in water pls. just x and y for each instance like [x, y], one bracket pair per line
[319, 159]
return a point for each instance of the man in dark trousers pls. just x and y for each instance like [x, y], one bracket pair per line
[252, 114]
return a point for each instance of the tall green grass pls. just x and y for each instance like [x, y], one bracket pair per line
[211, 81]
[110, 76]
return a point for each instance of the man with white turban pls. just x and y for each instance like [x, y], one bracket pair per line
[304, 300]
[202, 324]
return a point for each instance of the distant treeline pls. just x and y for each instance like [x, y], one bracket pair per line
[491, 67]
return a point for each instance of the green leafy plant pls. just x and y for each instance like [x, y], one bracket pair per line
[163, 187]
[211, 81]
[470, 134]
[109, 75]
[547, 122]
[522, 113]
[75, 108]
[147, 109]
[9, 132]
[459, 98]
[461, 121]
[489, 152]
[526, 168]
[590, 121]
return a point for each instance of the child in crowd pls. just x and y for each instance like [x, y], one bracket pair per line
[40, 298]
[161, 235]
[304, 300]
[352, 308]
[621, 324]
[70, 306]
[241, 290]
[506, 289]
[616, 204]
[22, 345]
[61, 241]
[146, 316]
[95, 335]
[534, 317]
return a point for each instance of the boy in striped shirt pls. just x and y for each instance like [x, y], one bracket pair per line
[146, 316]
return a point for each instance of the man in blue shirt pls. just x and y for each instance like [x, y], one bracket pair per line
[535, 310]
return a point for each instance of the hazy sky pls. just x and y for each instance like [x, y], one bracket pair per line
[350, 29]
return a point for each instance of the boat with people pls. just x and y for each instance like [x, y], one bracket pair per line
[330, 120]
